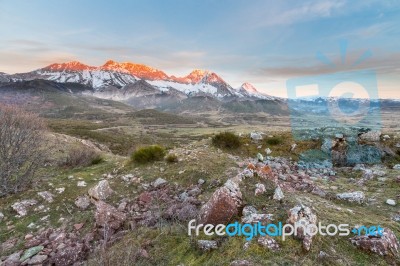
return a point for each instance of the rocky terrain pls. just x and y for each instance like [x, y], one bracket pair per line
[122, 213]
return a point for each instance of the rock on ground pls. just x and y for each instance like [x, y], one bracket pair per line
[207, 245]
[82, 202]
[260, 189]
[386, 244]
[101, 191]
[278, 194]
[269, 243]
[21, 206]
[107, 216]
[302, 216]
[356, 196]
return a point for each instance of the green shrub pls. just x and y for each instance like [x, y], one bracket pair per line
[148, 154]
[171, 158]
[274, 141]
[226, 140]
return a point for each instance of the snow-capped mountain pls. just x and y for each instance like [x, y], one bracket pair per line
[108, 78]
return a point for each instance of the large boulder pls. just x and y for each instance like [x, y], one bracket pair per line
[101, 191]
[384, 244]
[223, 205]
[302, 216]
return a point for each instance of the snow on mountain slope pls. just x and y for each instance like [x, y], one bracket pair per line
[118, 75]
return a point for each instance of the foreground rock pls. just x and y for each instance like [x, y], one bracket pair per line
[356, 196]
[101, 191]
[268, 243]
[302, 216]
[223, 205]
[386, 244]
[82, 202]
[108, 217]
[250, 216]
[278, 194]
[207, 245]
[21, 207]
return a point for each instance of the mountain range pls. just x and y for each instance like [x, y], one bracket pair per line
[123, 81]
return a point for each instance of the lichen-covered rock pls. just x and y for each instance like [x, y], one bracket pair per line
[223, 205]
[207, 245]
[82, 202]
[250, 216]
[269, 243]
[260, 189]
[371, 136]
[302, 216]
[278, 194]
[47, 196]
[22, 206]
[107, 216]
[101, 191]
[356, 196]
[68, 256]
[385, 244]
[31, 252]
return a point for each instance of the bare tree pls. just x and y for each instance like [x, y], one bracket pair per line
[22, 148]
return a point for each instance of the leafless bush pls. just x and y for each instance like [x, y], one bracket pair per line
[81, 156]
[22, 148]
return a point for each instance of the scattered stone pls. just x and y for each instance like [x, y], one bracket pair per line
[207, 245]
[47, 196]
[322, 254]
[37, 260]
[302, 216]
[101, 191]
[386, 137]
[1, 216]
[201, 181]
[31, 252]
[396, 167]
[356, 196]
[268, 151]
[256, 136]
[391, 202]
[127, 178]
[368, 174]
[21, 206]
[385, 244]
[260, 157]
[60, 190]
[78, 226]
[373, 136]
[278, 194]
[379, 172]
[13, 259]
[68, 255]
[250, 216]
[396, 218]
[260, 189]
[269, 243]
[293, 147]
[319, 191]
[108, 216]
[159, 182]
[241, 263]
[82, 202]
[81, 184]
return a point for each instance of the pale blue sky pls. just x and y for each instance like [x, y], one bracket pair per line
[261, 42]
